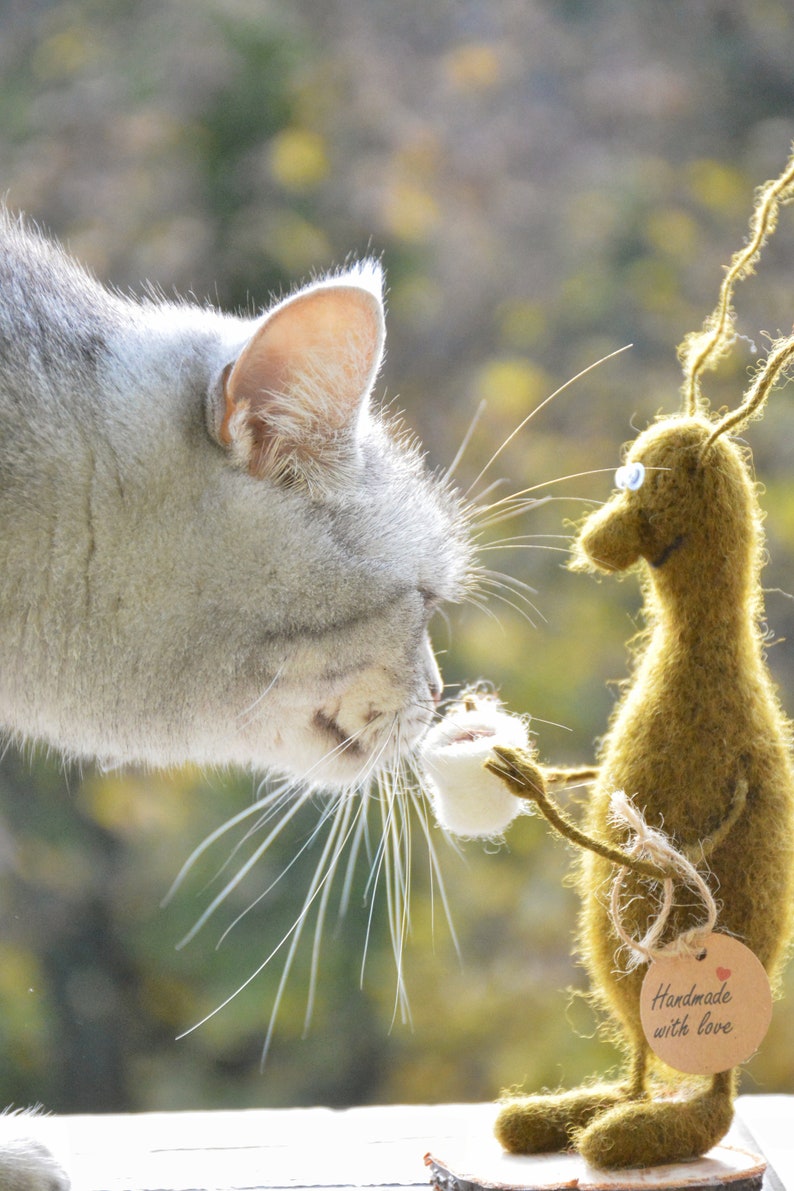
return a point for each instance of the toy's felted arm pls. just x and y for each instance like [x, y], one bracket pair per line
[526, 779]
[567, 776]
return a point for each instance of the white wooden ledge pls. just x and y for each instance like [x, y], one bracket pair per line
[270, 1149]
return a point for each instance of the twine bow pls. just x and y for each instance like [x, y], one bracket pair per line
[649, 844]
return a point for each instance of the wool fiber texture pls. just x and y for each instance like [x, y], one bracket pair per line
[468, 799]
[701, 745]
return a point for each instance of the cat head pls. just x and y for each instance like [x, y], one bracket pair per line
[266, 547]
[339, 543]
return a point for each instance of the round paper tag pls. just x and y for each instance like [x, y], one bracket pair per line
[706, 1013]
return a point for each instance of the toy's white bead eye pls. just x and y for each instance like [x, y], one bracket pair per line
[630, 476]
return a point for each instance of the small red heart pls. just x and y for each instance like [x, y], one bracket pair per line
[723, 973]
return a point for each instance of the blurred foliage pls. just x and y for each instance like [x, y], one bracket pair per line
[545, 182]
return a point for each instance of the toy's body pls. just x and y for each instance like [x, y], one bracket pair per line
[701, 746]
[698, 742]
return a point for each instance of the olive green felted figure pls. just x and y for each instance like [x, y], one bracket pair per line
[698, 742]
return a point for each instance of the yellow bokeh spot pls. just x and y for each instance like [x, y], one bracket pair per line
[520, 323]
[26, 1017]
[718, 187]
[780, 497]
[654, 284]
[672, 232]
[410, 212]
[420, 155]
[19, 971]
[416, 299]
[474, 66]
[584, 295]
[131, 806]
[64, 54]
[298, 159]
[296, 243]
[511, 385]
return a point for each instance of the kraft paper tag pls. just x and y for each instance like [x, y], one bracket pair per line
[706, 1013]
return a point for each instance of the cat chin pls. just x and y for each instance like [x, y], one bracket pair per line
[326, 757]
[325, 753]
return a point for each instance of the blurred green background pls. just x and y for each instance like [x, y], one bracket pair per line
[545, 181]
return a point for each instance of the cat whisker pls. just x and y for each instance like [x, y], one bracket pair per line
[511, 544]
[271, 808]
[499, 578]
[303, 791]
[403, 800]
[361, 836]
[531, 537]
[344, 827]
[247, 715]
[467, 437]
[215, 835]
[486, 492]
[522, 612]
[513, 505]
[436, 875]
[296, 927]
[476, 599]
[244, 869]
[520, 507]
[324, 874]
[524, 492]
[393, 860]
[338, 813]
[566, 385]
[329, 812]
[335, 847]
[376, 863]
[497, 583]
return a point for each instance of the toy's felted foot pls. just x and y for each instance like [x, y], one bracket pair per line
[655, 1132]
[542, 1124]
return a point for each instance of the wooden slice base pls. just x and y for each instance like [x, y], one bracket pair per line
[485, 1167]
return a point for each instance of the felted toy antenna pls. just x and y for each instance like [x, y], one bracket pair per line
[702, 350]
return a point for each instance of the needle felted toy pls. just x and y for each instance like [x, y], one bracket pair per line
[698, 744]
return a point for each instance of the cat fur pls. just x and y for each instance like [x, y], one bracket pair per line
[212, 547]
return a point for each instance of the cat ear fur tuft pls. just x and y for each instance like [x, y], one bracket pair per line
[293, 398]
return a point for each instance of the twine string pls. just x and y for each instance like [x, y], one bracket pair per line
[653, 845]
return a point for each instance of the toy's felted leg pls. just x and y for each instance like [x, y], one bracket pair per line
[542, 1124]
[655, 1132]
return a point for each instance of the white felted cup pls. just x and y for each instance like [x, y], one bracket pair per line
[467, 799]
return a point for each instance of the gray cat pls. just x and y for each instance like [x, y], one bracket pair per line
[213, 548]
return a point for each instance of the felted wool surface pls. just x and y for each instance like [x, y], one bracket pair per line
[701, 716]
[701, 745]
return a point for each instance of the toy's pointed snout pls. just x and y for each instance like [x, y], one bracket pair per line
[611, 539]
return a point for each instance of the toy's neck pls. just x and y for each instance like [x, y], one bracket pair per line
[706, 628]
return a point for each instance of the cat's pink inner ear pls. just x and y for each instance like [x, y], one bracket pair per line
[307, 370]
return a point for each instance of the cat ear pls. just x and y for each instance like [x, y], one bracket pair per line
[292, 400]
